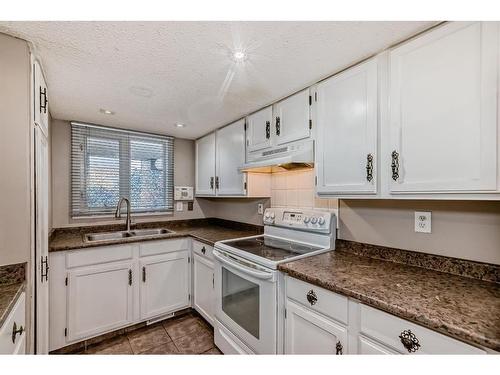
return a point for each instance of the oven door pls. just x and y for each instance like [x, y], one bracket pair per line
[246, 301]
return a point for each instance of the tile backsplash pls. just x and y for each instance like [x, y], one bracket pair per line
[296, 189]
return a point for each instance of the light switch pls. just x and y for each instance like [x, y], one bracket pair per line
[423, 222]
[179, 206]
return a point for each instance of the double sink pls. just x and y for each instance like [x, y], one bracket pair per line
[138, 233]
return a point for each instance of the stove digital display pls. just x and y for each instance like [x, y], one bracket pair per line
[294, 217]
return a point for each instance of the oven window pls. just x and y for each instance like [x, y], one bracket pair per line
[240, 301]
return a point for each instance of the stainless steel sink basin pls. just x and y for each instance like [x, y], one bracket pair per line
[109, 236]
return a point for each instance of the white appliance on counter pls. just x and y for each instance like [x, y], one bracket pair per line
[247, 281]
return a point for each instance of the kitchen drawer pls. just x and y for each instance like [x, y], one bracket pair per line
[17, 316]
[98, 255]
[203, 249]
[387, 328]
[164, 246]
[327, 303]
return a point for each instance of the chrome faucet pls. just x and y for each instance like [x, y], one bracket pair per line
[118, 212]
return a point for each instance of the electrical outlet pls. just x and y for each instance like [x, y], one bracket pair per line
[180, 206]
[423, 222]
[260, 209]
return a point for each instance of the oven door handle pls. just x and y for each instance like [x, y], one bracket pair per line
[236, 265]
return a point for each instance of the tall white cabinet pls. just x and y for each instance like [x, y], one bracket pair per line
[205, 165]
[443, 110]
[259, 129]
[346, 132]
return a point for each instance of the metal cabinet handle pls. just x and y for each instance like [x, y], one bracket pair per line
[339, 349]
[369, 167]
[203, 250]
[395, 165]
[211, 183]
[216, 182]
[278, 126]
[143, 274]
[44, 268]
[16, 331]
[129, 277]
[312, 298]
[409, 341]
[268, 129]
[45, 100]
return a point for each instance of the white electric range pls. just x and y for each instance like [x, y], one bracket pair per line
[247, 282]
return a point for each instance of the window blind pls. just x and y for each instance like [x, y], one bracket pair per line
[108, 163]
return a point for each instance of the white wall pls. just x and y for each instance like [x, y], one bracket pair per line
[15, 179]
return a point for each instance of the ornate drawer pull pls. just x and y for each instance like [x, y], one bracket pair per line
[312, 298]
[16, 331]
[409, 341]
[268, 129]
[277, 126]
[339, 348]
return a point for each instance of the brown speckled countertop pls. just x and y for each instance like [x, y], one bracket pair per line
[461, 307]
[208, 231]
[8, 297]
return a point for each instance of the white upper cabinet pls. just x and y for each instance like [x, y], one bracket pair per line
[205, 165]
[230, 154]
[443, 111]
[346, 133]
[259, 129]
[41, 100]
[292, 118]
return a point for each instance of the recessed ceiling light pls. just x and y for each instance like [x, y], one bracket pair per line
[106, 111]
[239, 56]
[179, 125]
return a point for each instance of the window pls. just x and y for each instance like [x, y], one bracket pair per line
[108, 163]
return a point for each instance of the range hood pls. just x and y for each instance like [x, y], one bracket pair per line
[297, 155]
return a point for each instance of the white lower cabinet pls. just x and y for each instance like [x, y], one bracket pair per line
[318, 321]
[11, 343]
[99, 290]
[310, 333]
[100, 299]
[164, 283]
[204, 295]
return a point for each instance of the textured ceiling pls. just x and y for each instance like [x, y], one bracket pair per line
[154, 74]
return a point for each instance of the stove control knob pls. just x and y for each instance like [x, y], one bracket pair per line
[272, 215]
[314, 220]
[267, 215]
[321, 221]
[306, 219]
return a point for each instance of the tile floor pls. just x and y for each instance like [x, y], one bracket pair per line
[188, 334]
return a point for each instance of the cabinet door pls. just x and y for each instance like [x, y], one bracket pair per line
[100, 299]
[443, 105]
[346, 141]
[291, 118]
[259, 129]
[367, 346]
[41, 100]
[229, 156]
[204, 295]
[164, 284]
[205, 165]
[41, 241]
[309, 333]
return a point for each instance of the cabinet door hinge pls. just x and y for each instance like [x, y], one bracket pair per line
[316, 180]
[315, 96]
[310, 100]
[66, 281]
[189, 259]
[189, 297]
[244, 186]
[245, 125]
[65, 332]
[310, 124]
[285, 313]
